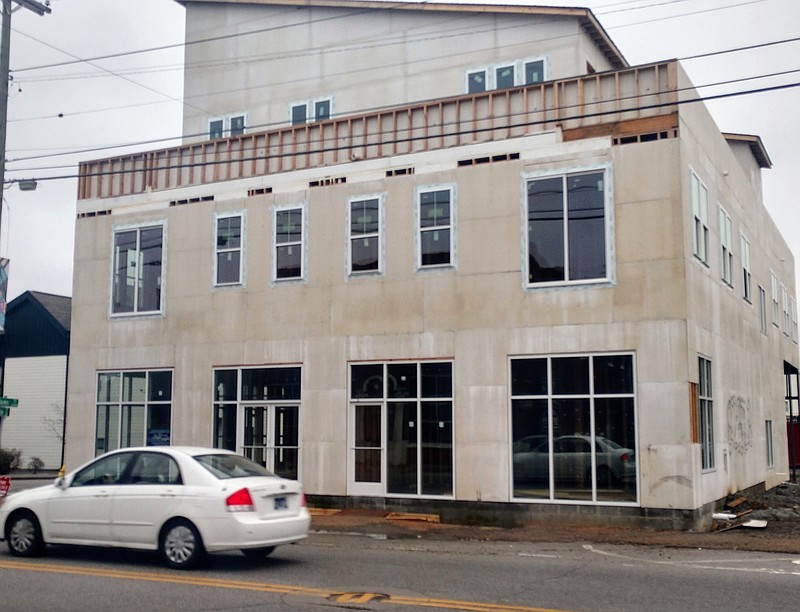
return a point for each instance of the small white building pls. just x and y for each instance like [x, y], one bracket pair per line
[452, 258]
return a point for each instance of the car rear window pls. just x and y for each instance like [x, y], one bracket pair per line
[231, 466]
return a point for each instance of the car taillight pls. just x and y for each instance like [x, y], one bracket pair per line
[303, 500]
[625, 458]
[241, 501]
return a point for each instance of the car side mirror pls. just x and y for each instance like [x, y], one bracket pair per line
[60, 482]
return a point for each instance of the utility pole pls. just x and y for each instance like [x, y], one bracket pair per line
[5, 48]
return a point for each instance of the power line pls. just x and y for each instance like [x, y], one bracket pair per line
[456, 133]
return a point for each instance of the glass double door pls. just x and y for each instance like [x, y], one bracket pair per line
[270, 437]
[402, 448]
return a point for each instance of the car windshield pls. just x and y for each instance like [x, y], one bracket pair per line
[231, 466]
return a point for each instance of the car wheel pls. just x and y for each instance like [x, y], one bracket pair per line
[181, 545]
[258, 553]
[24, 535]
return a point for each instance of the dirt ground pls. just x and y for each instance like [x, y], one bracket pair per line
[780, 508]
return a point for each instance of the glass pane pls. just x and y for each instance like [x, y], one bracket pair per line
[125, 274]
[255, 427]
[160, 386]
[286, 426]
[368, 465]
[285, 462]
[615, 445]
[364, 217]
[437, 379]
[150, 277]
[437, 448]
[108, 387]
[366, 381]
[545, 230]
[270, 384]
[587, 226]
[368, 426]
[134, 386]
[215, 128]
[322, 110]
[237, 125]
[435, 247]
[401, 448]
[570, 375]
[229, 233]
[132, 426]
[534, 72]
[434, 208]
[613, 374]
[225, 427]
[288, 226]
[572, 450]
[505, 77]
[289, 262]
[364, 255]
[529, 377]
[298, 114]
[225, 385]
[107, 435]
[531, 448]
[228, 267]
[158, 425]
[476, 81]
[105, 471]
[402, 380]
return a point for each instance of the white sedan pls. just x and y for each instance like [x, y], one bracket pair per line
[181, 501]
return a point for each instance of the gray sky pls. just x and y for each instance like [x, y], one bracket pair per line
[135, 98]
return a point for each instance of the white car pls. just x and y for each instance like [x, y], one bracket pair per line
[181, 501]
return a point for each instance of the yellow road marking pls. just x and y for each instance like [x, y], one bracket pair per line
[281, 589]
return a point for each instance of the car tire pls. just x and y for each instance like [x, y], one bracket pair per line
[180, 544]
[24, 535]
[258, 553]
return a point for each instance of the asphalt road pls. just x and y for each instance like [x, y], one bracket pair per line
[356, 572]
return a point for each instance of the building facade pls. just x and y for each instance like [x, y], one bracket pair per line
[524, 280]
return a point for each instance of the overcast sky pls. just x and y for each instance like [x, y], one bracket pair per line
[61, 105]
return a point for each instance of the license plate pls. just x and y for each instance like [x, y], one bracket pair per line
[281, 503]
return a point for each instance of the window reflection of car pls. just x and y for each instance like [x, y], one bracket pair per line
[572, 459]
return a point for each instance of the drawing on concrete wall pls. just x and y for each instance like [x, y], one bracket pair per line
[740, 424]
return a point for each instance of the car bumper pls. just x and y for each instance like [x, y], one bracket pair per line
[246, 530]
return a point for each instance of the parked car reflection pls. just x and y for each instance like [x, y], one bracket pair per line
[572, 460]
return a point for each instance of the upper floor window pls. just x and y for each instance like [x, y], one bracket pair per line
[138, 269]
[747, 277]
[706, 415]
[700, 212]
[500, 76]
[786, 324]
[435, 226]
[310, 110]
[229, 245]
[566, 228]
[365, 235]
[794, 320]
[762, 309]
[229, 125]
[726, 245]
[289, 243]
[776, 308]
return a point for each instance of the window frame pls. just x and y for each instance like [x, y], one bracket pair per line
[700, 232]
[379, 235]
[519, 67]
[747, 275]
[227, 129]
[608, 226]
[419, 230]
[149, 436]
[138, 280]
[726, 246]
[786, 325]
[705, 412]
[219, 216]
[762, 310]
[769, 444]
[776, 308]
[311, 107]
[301, 243]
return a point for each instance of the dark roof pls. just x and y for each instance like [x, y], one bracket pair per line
[58, 306]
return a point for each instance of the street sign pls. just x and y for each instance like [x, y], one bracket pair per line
[4, 411]
[8, 402]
